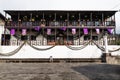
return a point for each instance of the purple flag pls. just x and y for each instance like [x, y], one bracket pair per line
[85, 31]
[73, 31]
[63, 28]
[37, 28]
[48, 31]
[97, 31]
[12, 31]
[110, 30]
[24, 31]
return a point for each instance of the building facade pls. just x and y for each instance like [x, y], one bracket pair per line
[52, 27]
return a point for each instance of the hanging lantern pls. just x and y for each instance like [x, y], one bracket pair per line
[24, 31]
[73, 31]
[85, 31]
[97, 31]
[48, 31]
[110, 30]
[37, 28]
[12, 31]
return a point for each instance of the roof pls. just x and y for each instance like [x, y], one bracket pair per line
[27, 12]
[2, 17]
[47, 13]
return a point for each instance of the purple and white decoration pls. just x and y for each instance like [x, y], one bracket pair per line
[73, 31]
[37, 28]
[85, 30]
[97, 31]
[12, 31]
[24, 31]
[63, 28]
[48, 31]
[110, 30]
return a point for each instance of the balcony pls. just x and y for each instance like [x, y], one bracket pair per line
[57, 24]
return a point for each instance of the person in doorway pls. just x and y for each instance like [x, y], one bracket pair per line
[51, 59]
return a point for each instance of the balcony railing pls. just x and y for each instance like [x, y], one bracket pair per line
[61, 23]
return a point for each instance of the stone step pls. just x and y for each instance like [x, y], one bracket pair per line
[54, 60]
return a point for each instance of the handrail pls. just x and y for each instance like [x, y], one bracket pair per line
[62, 23]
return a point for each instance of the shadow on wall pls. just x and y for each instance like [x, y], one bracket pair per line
[99, 71]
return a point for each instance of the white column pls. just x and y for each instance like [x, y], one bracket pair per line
[1, 32]
[106, 44]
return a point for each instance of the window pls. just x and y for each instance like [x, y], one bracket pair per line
[24, 37]
[87, 37]
[94, 37]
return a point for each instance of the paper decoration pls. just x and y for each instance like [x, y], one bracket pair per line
[63, 28]
[97, 31]
[37, 28]
[73, 31]
[48, 31]
[12, 31]
[24, 31]
[85, 30]
[110, 30]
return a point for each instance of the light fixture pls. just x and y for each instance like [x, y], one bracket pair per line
[50, 16]
[73, 16]
[60, 16]
[66, 20]
[85, 16]
[19, 20]
[36, 15]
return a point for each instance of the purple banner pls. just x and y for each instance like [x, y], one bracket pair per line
[97, 31]
[73, 31]
[12, 31]
[85, 31]
[110, 30]
[24, 31]
[63, 28]
[48, 31]
[37, 28]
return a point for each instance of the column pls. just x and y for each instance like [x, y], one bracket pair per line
[18, 27]
[55, 36]
[1, 32]
[106, 44]
[79, 36]
[106, 56]
[4, 42]
[103, 23]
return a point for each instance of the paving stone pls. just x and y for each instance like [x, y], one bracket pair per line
[59, 71]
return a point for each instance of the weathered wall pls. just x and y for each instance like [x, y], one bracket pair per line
[56, 52]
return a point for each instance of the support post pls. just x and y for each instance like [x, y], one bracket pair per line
[103, 23]
[4, 40]
[18, 26]
[106, 44]
[106, 56]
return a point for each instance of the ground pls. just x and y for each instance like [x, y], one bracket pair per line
[59, 71]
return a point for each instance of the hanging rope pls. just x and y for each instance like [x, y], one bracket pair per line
[114, 50]
[12, 52]
[78, 48]
[40, 49]
[98, 46]
[103, 49]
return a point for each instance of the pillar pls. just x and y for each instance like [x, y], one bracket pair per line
[106, 44]
[106, 56]
[1, 32]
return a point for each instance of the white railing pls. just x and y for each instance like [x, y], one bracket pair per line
[44, 43]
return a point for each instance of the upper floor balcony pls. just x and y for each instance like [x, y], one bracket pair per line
[56, 19]
[57, 24]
